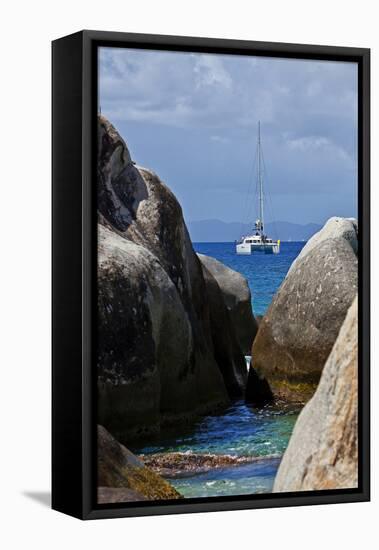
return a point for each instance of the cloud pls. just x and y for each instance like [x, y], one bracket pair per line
[308, 143]
[220, 91]
[220, 139]
[179, 106]
[317, 145]
[160, 87]
[210, 71]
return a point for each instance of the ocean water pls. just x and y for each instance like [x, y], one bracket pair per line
[248, 479]
[239, 430]
[264, 272]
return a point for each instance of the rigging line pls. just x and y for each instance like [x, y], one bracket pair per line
[256, 194]
[249, 186]
[245, 202]
[268, 195]
[252, 205]
[255, 207]
[271, 213]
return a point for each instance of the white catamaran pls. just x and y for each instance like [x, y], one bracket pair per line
[257, 241]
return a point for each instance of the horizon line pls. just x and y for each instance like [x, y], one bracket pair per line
[245, 223]
[233, 242]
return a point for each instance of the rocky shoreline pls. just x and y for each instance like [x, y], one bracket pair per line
[121, 474]
[167, 344]
[174, 328]
[298, 331]
[176, 464]
[323, 450]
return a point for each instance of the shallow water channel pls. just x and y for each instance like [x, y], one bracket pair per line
[239, 430]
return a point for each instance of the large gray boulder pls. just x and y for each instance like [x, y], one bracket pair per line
[335, 228]
[227, 351]
[323, 450]
[157, 359]
[135, 203]
[237, 297]
[301, 325]
[150, 369]
[122, 477]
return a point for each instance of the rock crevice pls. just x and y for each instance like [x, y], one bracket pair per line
[167, 345]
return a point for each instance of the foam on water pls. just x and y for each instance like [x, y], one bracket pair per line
[238, 480]
[239, 430]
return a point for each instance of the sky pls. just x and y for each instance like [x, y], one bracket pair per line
[192, 118]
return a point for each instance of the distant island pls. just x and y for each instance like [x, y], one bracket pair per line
[219, 231]
[218, 374]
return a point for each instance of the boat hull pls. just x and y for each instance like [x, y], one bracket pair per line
[267, 248]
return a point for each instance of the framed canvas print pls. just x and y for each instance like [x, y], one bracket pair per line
[210, 274]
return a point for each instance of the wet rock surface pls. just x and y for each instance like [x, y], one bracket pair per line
[177, 464]
[258, 391]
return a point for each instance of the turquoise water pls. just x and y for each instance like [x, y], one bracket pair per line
[239, 480]
[264, 272]
[239, 430]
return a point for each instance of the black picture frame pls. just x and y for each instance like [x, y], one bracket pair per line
[74, 91]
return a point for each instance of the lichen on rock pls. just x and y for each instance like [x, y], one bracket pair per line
[125, 476]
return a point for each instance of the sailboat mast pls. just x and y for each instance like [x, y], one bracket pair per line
[260, 180]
